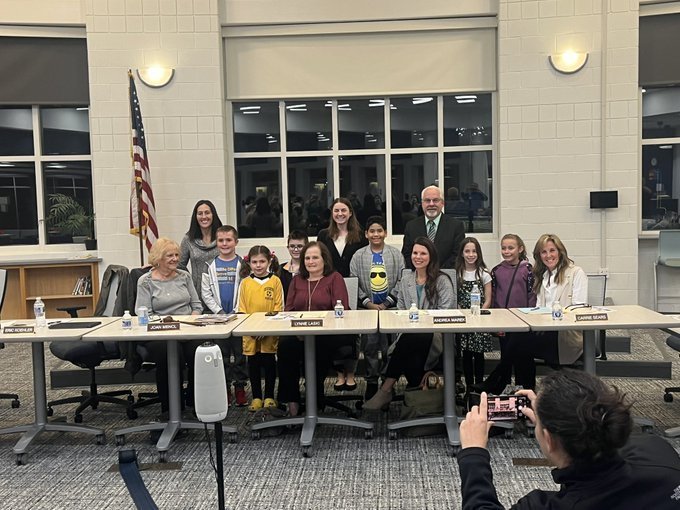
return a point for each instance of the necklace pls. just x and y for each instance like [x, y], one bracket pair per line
[310, 292]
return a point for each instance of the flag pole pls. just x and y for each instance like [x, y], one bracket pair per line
[138, 182]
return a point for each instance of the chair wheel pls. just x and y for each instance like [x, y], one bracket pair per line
[120, 440]
[50, 411]
[162, 456]
[307, 451]
[647, 429]
[393, 435]
[100, 439]
[233, 437]
[131, 414]
[130, 399]
[453, 450]
[368, 434]
[255, 435]
[21, 459]
[78, 418]
[668, 397]
[15, 404]
[508, 433]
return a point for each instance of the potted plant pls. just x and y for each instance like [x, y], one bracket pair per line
[68, 216]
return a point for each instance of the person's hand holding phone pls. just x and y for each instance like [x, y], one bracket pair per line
[474, 429]
[529, 410]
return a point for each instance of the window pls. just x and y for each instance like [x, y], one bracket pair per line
[45, 159]
[295, 156]
[660, 158]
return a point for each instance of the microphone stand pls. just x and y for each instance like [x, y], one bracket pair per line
[220, 465]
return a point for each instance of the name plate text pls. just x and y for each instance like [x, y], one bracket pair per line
[9, 330]
[163, 326]
[306, 323]
[592, 317]
[457, 319]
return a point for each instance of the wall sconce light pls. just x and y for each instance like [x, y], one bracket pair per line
[568, 62]
[156, 76]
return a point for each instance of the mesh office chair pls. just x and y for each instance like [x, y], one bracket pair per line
[90, 355]
[3, 289]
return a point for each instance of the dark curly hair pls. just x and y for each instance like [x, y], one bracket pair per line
[590, 418]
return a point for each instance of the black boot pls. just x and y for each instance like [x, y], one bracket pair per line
[371, 389]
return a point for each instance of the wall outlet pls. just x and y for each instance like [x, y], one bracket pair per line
[604, 270]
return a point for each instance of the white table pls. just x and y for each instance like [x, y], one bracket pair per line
[354, 322]
[172, 337]
[38, 339]
[398, 322]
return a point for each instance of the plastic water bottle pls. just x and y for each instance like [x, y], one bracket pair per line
[126, 323]
[413, 313]
[39, 311]
[475, 300]
[557, 314]
[339, 310]
[143, 316]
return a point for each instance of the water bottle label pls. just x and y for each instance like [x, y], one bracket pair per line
[127, 323]
[339, 313]
[413, 316]
[557, 314]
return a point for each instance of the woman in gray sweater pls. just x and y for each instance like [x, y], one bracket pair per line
[199, 245]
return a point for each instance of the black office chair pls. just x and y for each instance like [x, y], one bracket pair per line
[674, 343]
[90, 355]
[3, 289]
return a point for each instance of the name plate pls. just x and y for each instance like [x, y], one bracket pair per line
[306, 323]
[9, 330]
[592, 317]
[163, 326]
[456, 319]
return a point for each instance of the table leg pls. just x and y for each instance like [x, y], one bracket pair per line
[33, 430]
[589, 351]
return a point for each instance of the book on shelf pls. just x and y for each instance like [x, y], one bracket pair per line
[83, 286]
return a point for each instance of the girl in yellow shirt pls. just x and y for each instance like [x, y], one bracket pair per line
[260, 291]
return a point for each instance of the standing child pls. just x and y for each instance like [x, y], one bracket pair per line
[260, 291]
[513, 283]
[219, 290]
[297, 240]
[470, 271]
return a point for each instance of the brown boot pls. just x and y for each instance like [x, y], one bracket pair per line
[381, 400]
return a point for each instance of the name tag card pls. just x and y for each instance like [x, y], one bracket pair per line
[454, 319]
[9, 330]
[306, 323]
[163, 326]
[592, 317]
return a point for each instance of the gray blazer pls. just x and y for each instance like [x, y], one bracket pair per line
[446, 290]
[361, 268]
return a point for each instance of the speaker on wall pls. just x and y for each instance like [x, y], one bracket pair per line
[604, 199]
[210, 385]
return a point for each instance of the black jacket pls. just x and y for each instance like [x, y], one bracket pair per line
[646, 474]
[450, 233]
[340, 262]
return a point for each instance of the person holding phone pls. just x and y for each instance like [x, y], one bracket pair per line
[583, 427]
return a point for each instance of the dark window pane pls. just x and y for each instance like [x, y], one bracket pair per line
[362, 182]
[258, 185]
[68, 201]
[414, 122]
[256, 127]
[65, 131]
[308, 125]
[310, 188]
[18, 204]
[467, 119]
[660, 193]
[468, 189]
[16, 132]
[661, 113]
[410, 174]
[361, 123]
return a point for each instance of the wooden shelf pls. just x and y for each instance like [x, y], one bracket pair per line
[53, 281]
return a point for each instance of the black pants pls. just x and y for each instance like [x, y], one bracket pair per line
[291, 356]
[409, 358]
[524, 348]
[256, 364]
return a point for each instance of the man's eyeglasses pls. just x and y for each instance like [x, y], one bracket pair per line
[381, 274]
[296, 247]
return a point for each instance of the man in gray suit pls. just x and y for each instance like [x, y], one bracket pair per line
[446, 232]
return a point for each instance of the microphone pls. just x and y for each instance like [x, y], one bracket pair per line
[210, 385]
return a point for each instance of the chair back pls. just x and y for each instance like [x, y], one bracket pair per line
[352, 284]
[669, 248]
[114, 281]
[597, 289]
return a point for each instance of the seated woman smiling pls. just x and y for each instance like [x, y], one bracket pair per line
[415, 353]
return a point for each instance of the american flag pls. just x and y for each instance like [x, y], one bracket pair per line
[141, 176]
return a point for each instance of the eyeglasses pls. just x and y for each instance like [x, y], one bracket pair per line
[381, 274]
[296, 247]
[432, 200]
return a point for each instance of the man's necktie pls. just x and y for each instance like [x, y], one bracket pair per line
[431, 231]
